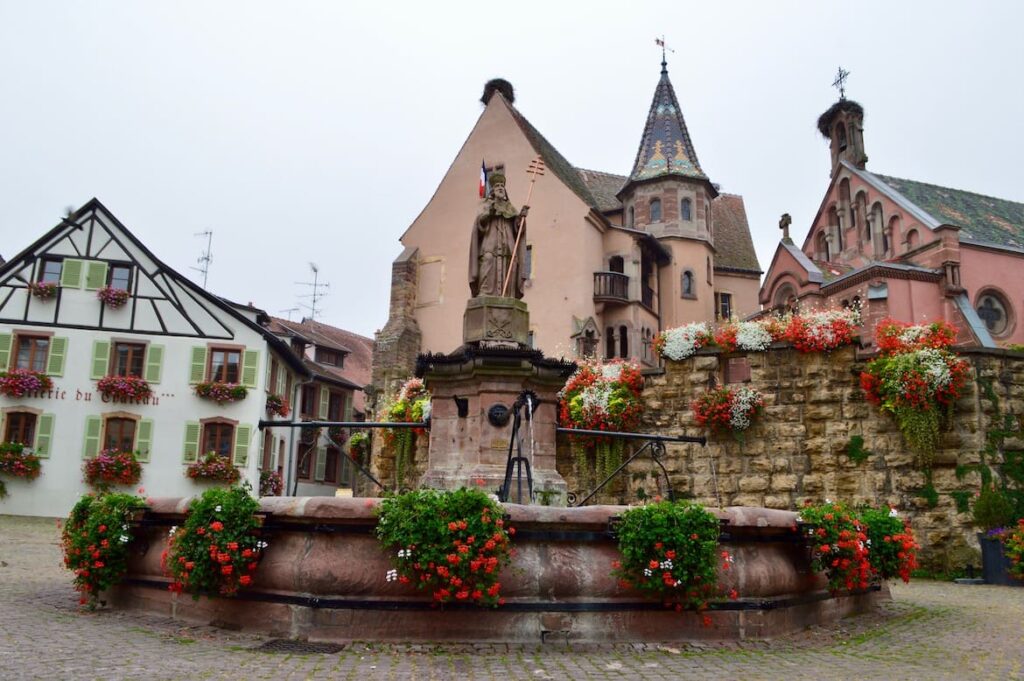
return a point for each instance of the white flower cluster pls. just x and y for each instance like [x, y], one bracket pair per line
[752, 336]
[217, 509]
[743, 402]
[595, 398]
[170, 533]
[681, 342]
[819, 324]
[666, 564]
[647, 572]
[405, 553]
[391, 576]
[893, 513]
[261, 545]
[611, 371]
[913, 334]
[123, 538]
[936, 370]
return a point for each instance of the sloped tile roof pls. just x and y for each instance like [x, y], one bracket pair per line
[553, 160]
[733, 245]
[603, 187]
[358, 359]
[979, 217]
[665, 147]
[831, 270]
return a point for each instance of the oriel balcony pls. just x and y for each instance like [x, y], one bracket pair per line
[611, 287]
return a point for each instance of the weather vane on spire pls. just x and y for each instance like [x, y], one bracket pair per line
[840, 82]
[660, 42]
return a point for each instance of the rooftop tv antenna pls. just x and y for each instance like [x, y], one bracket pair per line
[317, 292]
[289, 312]
[206, 258]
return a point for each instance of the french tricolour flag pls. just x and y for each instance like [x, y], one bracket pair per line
[483, 179]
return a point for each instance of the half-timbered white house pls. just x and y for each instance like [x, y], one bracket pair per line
[169, 332]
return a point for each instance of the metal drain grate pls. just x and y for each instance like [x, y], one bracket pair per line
[290, 647]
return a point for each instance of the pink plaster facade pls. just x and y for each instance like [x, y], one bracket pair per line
[605, 277]
[871, 244]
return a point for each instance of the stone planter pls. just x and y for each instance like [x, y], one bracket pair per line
[995, 565]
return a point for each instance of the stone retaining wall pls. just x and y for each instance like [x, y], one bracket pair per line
[796, 451]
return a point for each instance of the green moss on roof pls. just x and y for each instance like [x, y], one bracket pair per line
[979, 217]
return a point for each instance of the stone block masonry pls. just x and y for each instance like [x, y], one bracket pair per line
[796, 451]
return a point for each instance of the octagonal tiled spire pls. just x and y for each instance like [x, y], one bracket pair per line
[665, 148]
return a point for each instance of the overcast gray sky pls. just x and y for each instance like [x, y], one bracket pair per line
[316, 131]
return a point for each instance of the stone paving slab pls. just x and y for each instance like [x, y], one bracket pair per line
[930, 630]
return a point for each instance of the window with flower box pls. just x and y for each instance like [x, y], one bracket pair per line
[224, 437]
[31, 352]
[50, 270]
[128, 359]
[224, 364]
[31, 428]
[20, 427]
[119, 275]
[119, 434]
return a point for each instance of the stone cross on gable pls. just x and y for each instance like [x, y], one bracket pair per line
[990, 314]
[840, 82]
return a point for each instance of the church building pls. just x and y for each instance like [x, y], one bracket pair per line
[611, 259]
[903, 249]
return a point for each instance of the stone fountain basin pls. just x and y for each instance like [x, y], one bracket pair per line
[322, 578]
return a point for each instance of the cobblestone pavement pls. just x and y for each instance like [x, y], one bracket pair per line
[929, 631]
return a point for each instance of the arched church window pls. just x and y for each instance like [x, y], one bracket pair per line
[686, 210]
[912, 240]
[689, 287]
[785, 296]
[823, 246]
[995, 312]
[655, 210]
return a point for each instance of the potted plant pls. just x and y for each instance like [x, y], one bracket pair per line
[994, 513]
[124, 388]
[15, 462]
[112, 297]
[44, 290]
[221, 393]
[358, 446]
[21, 382]
[112, 467]
[213, 467]
[277, 405]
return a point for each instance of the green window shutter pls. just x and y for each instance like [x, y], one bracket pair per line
[197, 371]
[321, 463]
[144, 440]
[44, 436]
[242, 436]
[250, 368]
[190, 453]
[71, 273]
[5, 350]
[154, 363]
[348, 407]
[95, 275]
[325, 401]
[100, 359]
[93, 430]
[55, 360]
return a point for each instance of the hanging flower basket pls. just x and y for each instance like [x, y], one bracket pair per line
[213, 467]
[358, 447]
[727, 409]
[112, 467]
[221, 393]
[412, 405]
[44, 290]
[124, 388]
[112, 297]
[278, 405]
[271, 484]
[22, 382]
[17, 463]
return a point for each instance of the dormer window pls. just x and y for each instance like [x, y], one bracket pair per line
[330, 357]
[655, 210]
[686, 210]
